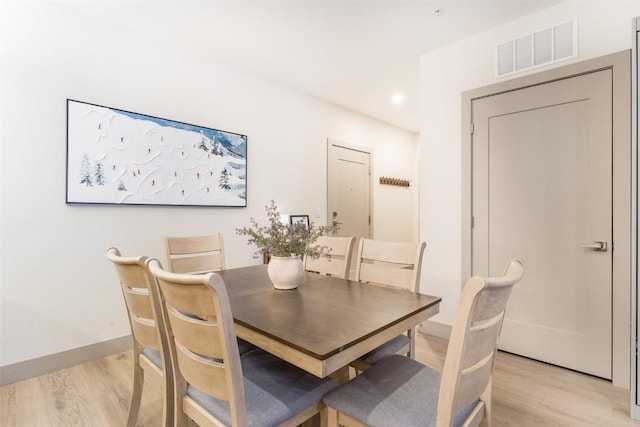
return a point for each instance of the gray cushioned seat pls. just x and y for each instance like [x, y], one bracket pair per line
[397, 391]
[387, 349]
[274, 391]
[153, 355]
[245, 346]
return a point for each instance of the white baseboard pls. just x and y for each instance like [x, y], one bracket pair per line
[635, 412]
[54, 362]
[437, 329]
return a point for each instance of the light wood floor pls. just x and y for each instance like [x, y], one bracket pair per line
[525, 393]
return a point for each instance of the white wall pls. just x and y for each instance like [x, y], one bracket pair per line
[604, 27]
[58, 291]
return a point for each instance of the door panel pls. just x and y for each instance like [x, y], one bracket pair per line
[349, 186]
[542, 192]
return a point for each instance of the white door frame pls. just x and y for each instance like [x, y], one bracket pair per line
[635, 116]
[620, 65]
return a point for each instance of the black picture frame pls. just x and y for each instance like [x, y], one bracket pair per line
[117, 157]
[299, 219]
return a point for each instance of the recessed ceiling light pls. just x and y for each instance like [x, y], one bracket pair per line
[438, 12]
[397, 98]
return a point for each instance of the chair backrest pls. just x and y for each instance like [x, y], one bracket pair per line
[195, 254]
[468, 366]
[337, 260]
[143, 310]
[202, 339]
[147, 329]
[390, 263]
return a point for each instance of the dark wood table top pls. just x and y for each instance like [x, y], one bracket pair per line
[324, 315]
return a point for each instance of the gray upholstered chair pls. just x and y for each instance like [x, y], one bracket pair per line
[396, 264]
[150, 348]
[337, 261]
[214, 385]
[399, 391]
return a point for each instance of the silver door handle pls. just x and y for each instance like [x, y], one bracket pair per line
[597, 246]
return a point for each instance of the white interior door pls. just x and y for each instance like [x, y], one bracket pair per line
[349, 189]
[542, 192]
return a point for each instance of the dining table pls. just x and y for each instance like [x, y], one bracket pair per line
[326, 322]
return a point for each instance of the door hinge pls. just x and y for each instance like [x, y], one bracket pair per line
[473, 221]
[472, 128]
[369, 219]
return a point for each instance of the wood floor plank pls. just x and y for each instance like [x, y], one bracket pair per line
[65, 398]
[26, 404]
[526, 393]
[114, 391]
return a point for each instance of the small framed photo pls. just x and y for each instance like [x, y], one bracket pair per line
[299, 219]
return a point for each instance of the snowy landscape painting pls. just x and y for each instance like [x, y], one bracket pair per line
[119, 157]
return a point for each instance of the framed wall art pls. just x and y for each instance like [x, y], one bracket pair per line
[119, 157]
[299, 219]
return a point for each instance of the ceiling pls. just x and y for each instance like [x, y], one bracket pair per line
[355, 54]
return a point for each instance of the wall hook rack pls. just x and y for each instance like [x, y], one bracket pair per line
[395, 181]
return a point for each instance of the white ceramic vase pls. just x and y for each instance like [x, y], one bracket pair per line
[285, 272]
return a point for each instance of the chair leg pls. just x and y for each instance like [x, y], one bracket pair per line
[180, 418]
[136, 394]
[310, 422]
[167, 410]
[329, 417]
[488, 413]
[342, 375]
[412, 342]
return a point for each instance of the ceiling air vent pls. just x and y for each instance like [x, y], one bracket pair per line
[542, 47]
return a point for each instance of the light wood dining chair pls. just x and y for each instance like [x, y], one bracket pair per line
[214, 385]
[198, 255]
[399, 391]
[337, 261]
[396, 264]
[195, 254]
[150, 347]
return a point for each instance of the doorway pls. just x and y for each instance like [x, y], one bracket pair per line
[349, 189]
[547, 180]
[541, 192]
